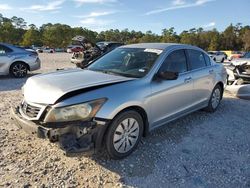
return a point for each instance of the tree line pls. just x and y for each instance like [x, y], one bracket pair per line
[16, 31]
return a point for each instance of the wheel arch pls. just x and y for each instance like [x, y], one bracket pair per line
[220, 83]
[143, 114]
[19, 61]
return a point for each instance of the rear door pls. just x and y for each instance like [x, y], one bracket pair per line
[171, 98]
[5, 59]
[203, 75]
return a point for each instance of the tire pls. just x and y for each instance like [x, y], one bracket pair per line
[222, 60]
[214, 59]
[19, 70]
[118, 142]
[215, 99]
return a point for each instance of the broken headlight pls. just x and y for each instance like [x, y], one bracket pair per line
[75, 112]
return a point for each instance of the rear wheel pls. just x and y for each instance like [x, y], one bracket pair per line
[124, 134]
[215, 99]
[18, 70]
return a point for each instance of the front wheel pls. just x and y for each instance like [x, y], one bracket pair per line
[215, 99]
[124, 134]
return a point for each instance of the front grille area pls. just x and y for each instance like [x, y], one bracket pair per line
[29, 110]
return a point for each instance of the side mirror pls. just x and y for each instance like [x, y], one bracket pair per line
[167, 75]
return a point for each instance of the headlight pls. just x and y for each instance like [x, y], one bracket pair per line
[76, 112]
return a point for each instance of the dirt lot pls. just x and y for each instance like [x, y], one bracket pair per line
[199, 150]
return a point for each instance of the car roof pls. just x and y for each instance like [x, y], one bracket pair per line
[15, 48]
[161, 46]
[8, 45]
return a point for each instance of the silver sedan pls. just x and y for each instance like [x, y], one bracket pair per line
[17, 61]
[120, 97]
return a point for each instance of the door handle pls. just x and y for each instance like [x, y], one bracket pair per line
[211, 71]
[187, 80]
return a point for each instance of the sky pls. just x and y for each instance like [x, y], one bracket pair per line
[139, 15]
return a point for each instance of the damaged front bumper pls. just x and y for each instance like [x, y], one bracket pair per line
[73, 137]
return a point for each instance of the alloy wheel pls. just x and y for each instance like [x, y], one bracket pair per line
[19, 70]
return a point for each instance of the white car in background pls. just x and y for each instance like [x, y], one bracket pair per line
[217, 56]
[48, 50]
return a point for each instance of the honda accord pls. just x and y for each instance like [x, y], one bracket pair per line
[120, 97]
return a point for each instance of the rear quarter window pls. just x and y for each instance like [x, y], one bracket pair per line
[4, 49]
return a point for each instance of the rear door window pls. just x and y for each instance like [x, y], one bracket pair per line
[4, 50]
[196, 59]
[207, 59]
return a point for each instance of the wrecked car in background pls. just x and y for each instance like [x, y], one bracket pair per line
[120, 97]
[90, 50]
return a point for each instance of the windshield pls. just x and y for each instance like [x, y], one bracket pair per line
[129, 62]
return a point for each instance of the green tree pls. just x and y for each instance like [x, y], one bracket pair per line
[7, 33]
[32, 37]
[18, 22]
[169, 35]
[189, 37]
[57, 35]
[246, 40]
[150, 37]
[14, 30]
[229, 39]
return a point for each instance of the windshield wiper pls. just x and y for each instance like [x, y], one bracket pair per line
[110, 72]
[114, 73]
[103, 71]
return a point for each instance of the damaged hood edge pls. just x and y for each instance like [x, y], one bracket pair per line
[49, 88]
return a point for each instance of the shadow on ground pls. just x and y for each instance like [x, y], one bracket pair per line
[168, 154]
[8, 83]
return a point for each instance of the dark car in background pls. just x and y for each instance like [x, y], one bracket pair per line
[108, 46]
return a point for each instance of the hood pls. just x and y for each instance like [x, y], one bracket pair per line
[48, 88]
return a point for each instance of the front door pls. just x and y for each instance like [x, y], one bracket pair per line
[171, 98]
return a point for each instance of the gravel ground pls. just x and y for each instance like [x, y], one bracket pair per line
[199, 150]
